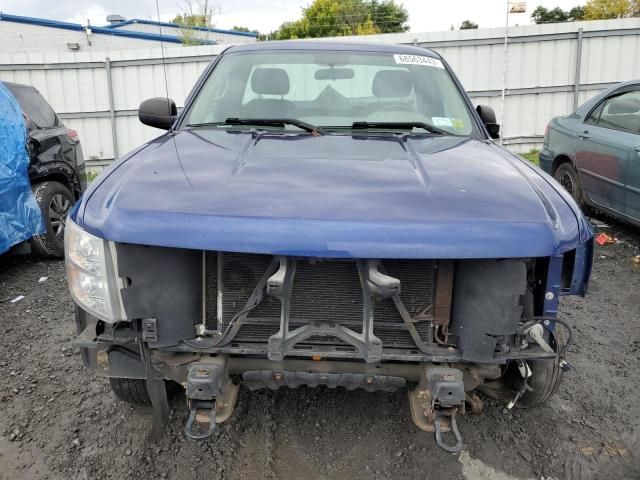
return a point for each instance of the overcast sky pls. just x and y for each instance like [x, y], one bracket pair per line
[267, 15]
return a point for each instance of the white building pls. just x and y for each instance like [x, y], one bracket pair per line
[199, 33]
[38, 35]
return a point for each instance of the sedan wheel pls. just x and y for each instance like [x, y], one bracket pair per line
[566, 181]
[567, 176]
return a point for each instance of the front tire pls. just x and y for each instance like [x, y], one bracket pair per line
[130, 390]
[55, 201]
[544, 381]
[567, 176]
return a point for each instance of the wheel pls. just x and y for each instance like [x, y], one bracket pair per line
[130, 390]
[567, 176]
[544, 381]
[55, 201]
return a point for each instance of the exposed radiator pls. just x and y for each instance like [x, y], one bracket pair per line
[324, 291]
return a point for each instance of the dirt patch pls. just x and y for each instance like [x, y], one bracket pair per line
[58, 420]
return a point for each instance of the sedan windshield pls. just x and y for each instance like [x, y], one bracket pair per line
[332, 90]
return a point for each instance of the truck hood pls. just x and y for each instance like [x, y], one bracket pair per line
[331, 196]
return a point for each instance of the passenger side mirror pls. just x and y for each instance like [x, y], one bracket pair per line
[488, 117]
[158, 112]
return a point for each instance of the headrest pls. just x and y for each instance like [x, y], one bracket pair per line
[270, 81]
[624, 105]
[392, 83]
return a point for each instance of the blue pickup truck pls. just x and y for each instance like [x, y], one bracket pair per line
[328, 214]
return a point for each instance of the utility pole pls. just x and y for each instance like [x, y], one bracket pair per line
[512, 7]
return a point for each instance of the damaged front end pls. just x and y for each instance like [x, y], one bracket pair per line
[439, 328]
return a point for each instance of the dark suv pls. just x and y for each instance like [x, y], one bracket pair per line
[326, 214]
[55, 155]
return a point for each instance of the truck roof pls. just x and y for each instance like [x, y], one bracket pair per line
[335, 46]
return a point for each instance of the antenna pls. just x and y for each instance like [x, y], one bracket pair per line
[166, 89]
[164, 64]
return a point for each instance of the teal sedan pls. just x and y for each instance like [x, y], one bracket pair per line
[594, 153]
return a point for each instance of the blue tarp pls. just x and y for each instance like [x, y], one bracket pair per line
[20, 216]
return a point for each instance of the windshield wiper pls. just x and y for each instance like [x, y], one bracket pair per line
[275, 122]
[399, 126]
[205, 124]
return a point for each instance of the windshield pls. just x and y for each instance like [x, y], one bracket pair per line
[332, 89]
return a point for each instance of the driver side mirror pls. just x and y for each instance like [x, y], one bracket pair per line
[158, 112]
[488, 117]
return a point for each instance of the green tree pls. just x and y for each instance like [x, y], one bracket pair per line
[544, 15]
[197, 13]
[333, 18]
[195, 20]
[557, 15]
[468, 25]
[244, 29]
[576, 14]
[605, 9]
[388, 17]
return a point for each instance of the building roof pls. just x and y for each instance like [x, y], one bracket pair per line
[173, 25]
[43, 22]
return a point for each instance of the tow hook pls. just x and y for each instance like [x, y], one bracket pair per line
[202, 419]
[435, 402]
[440, 414]
[211, 396]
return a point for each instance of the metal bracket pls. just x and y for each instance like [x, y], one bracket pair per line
[149, 330]
[366, 343]
[446, 387]
[157, 394]
[204, 381]
[276, 282]
[379, 284]
[280, 286]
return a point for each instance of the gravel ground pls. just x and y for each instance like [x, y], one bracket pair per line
[58, 421]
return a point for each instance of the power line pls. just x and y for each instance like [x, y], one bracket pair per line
[373, 16]
[346, 24]
[328, 14]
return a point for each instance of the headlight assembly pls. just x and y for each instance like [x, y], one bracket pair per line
[92, 279]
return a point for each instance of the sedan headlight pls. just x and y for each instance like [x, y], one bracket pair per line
[92, 279]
